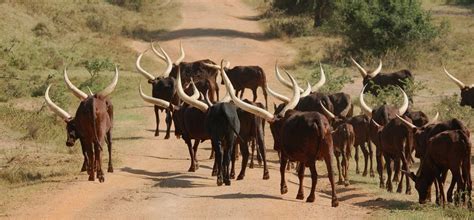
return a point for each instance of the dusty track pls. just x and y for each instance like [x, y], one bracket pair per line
[153, 182]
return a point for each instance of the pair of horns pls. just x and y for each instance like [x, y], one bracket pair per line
[368, 110]
[364, 72]
[457, 81]
[164, 56]
[306, 92]
[411, 125]
[254, 109]
[78, 93]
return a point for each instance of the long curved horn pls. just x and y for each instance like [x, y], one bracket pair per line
[296, 96]
[365, 108]
[433, 120]
[140, 69]
[90, 91]
[283, 80]
[155, 101]
[362, 71]
[307, 91]
[407, 123]
[110, 88]
[328, 113]
[404, 107]
[214, 66]
[158, 54]
[226, 98]
[377, 71]
[193, 102]
[75, 91]
[322, 80]
[56, 109]
[181, 54]
[169, 63]
[243, 105]
[208, 101]
[195, 91]
[277, 95]
[457, 81]
[376, 124]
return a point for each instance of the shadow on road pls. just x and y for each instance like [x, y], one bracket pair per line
[209, 32]
[387, 204]
[241, 196]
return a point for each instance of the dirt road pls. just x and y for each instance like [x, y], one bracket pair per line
[153, 182]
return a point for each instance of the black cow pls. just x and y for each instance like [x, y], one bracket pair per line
[467, 92]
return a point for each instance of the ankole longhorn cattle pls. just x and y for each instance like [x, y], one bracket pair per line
[92, 125]
[299, 136]
[382, 116]
[163, 87]
[467, 92]
[375, 79]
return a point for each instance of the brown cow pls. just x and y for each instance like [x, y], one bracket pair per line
[92, 125]
[448, 150]
[299, 136]
[343, 139]
[467, 92]
[361, 124]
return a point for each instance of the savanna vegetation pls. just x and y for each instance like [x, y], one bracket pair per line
[421, 35]
[39, 40]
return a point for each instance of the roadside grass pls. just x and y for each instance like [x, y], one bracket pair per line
[40, 39]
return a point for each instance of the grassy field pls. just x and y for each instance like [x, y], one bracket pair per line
[39, 39]
[454, 49]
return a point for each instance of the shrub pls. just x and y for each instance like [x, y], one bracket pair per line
[134, 5]
[293, 26]
[449, 108]
[376, 27]
[333, 83]
[95, 23]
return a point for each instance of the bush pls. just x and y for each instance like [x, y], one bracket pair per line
[333, 83]
[134, 5]
[95, 23]
[375, 27]
[449, 108]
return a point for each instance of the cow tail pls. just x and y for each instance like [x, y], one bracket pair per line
[233, 129]
[94, 123]
[466, 164]
[322, 135]
[350, 143]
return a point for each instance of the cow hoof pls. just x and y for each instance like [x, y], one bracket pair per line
[310, 198]
[240, 177]
[364, 173]
[266, 175]
[101, 179]
[399, 190]
[335, 203]
[372, 174]
[214, 173]
[469, 204]
[251, 166]
[300, 196]
[227, 182]
[357, 171]
[110, 170]
[283, 190]
[389, 189]
[232, 176]
[450, 199]
[157, 134]
[381, 186]
[408, 192]
[167, 136]
[219, 182]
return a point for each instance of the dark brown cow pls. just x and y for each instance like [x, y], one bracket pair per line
[467, 92]
[382, 115]
[395, 145]
[342, 104]
[418, 118]
[448, 150]
[375, 79]
[92, 125]
[343, 139]
[424, 133]
[251, 128]
[361, 124]
[164, 86]
[299, 136]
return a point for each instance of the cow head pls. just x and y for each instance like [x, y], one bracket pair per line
[367, 75]
[71, 126]
[467, 92]
[422, 185]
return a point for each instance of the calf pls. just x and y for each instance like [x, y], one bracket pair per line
[448, 150]
[343, 138]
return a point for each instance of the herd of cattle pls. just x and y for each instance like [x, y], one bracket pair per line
[306, 127]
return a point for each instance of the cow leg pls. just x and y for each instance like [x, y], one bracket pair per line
[252, 154]
[262, 152]
[229, 148]
[406, 166]
[378, 157]
[91, 160]
[192, 168]
[195, 149]
[314, 181]
[244, 149]
[300, 194]
[98, 158]
[216, 146]
[366, 154]
[254, 92]
[338, 162]
[84, 153]
[169, 122]
[441, 190]
[232, 168]
[356, 158]
[388, 163]
[265, 96]
[328, 161]
[396, 177]
[345, 168]
[460, 182]
[110, 168]
[283, 162]
[371, 154]
[157, 116]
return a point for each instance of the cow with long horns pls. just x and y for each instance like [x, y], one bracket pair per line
[299, 136]
[467, 92]
[381, 116]
[163, 87]
[375, 79]
[92, 125]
